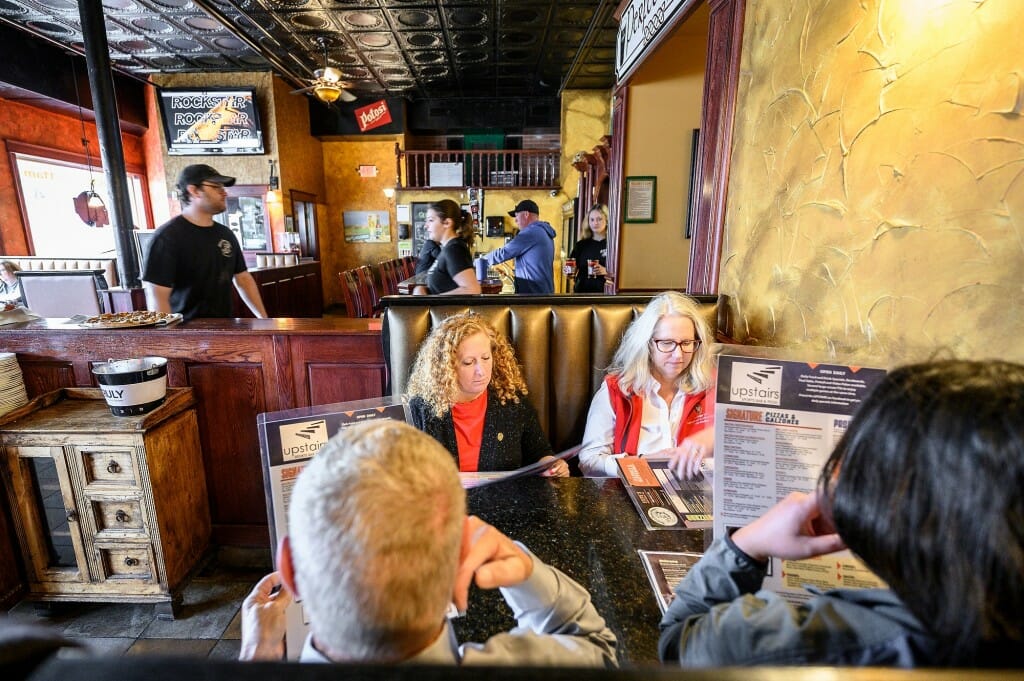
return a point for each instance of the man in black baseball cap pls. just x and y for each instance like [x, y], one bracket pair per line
[525, 205]
[533, 249]
[199, 173]
[193, 259]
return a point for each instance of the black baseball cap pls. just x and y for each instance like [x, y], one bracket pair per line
[527, 205]
[199, 173]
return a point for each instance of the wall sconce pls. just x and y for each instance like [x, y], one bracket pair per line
[389, 192]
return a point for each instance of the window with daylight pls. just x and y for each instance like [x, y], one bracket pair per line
[48, 180]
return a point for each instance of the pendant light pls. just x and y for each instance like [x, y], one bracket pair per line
[94, 201]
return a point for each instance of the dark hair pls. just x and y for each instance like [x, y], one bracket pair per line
[446, 209]
[927, 487]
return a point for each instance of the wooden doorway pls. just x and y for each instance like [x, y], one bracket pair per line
[304, 212]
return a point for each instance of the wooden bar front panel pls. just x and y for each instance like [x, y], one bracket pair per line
[238, 369]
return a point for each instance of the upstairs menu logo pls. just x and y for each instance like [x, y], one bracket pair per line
[302, 440]
[756, 383]
[373, 116]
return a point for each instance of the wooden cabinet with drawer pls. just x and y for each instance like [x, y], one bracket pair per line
[106, 508]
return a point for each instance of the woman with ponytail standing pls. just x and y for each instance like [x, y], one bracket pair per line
[452, 272]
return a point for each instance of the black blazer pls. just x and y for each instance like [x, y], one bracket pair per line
[512, 435]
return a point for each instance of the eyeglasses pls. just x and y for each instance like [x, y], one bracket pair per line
[667, 346]
[215, 187]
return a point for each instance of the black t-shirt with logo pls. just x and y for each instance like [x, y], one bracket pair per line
[198, 264]
[454, 258]
[584, 250]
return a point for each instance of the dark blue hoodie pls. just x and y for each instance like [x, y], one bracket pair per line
[534, 251]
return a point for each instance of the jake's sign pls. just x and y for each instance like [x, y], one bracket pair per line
[640, 23]
[373, 116]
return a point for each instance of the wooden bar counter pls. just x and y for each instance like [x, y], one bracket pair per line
[238, 368]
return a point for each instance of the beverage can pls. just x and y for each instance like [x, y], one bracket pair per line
[481, 269]
[592, 267]
[570, 266]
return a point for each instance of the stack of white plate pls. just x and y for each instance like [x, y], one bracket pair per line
[12, 385]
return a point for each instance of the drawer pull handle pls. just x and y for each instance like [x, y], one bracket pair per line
[113, 467]
[131, 562]
[121, 517]
[72, 516]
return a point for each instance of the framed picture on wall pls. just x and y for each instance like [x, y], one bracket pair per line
[367, 226]
[641, 198]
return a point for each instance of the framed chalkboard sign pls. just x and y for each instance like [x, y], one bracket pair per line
[419, 226]
[143, 237]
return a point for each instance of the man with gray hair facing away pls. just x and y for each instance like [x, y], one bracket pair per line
[376, 583]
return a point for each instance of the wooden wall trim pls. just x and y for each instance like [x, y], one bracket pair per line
[725, 42]
[617, 160]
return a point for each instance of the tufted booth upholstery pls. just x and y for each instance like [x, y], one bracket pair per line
[34, 263]
[564, 343]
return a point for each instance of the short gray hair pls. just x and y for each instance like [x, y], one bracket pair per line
[632, 360]
[375, 526]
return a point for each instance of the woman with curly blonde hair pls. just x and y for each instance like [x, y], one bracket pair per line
[654, 400]
[466, 390]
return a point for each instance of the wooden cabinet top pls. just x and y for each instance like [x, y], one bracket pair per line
[83, 410]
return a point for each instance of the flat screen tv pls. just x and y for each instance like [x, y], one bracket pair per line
[221, 121]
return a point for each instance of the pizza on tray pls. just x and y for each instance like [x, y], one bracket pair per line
[122, 320]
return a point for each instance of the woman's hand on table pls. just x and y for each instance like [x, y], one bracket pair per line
[559, 469]
[685, 460]
[792, 529]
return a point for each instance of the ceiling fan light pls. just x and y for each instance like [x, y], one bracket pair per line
[327, 93]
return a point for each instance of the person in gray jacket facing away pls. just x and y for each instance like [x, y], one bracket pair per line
[376, 583]
[533, 249]
[925, 488]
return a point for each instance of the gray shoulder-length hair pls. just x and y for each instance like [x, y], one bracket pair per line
[632, 361]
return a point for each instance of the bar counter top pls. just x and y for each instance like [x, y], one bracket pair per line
[275, 326]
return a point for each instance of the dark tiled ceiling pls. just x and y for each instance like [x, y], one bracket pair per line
[419, 49]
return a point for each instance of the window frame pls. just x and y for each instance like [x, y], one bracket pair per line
[71, 159]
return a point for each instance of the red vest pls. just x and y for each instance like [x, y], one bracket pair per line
[698, 414]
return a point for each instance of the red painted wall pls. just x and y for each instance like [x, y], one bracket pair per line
[24, 123]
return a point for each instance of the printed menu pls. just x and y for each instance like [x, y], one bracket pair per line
[663, 501]
[666, 569]
[288, 442]
[776, 422]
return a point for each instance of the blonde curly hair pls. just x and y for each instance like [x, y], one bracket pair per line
[434, 378]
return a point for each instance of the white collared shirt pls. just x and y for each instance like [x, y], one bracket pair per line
[658, 427]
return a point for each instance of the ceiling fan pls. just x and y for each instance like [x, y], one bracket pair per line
[326, 84]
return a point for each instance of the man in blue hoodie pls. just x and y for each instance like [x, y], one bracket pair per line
[533, 248]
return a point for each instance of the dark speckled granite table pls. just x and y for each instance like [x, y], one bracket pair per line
[589, 529]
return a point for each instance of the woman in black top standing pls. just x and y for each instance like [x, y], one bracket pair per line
[592, 247]
[452, 272]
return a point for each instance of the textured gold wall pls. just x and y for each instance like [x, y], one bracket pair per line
[876, 202]
[346, 190]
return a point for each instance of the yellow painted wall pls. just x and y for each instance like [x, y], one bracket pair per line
[876, 201]
[301, 155]
[664, 107]
[346, 190]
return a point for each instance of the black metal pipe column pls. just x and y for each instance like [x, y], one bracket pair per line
[108, 128]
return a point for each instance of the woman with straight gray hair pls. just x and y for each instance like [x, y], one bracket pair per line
[654, 399]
